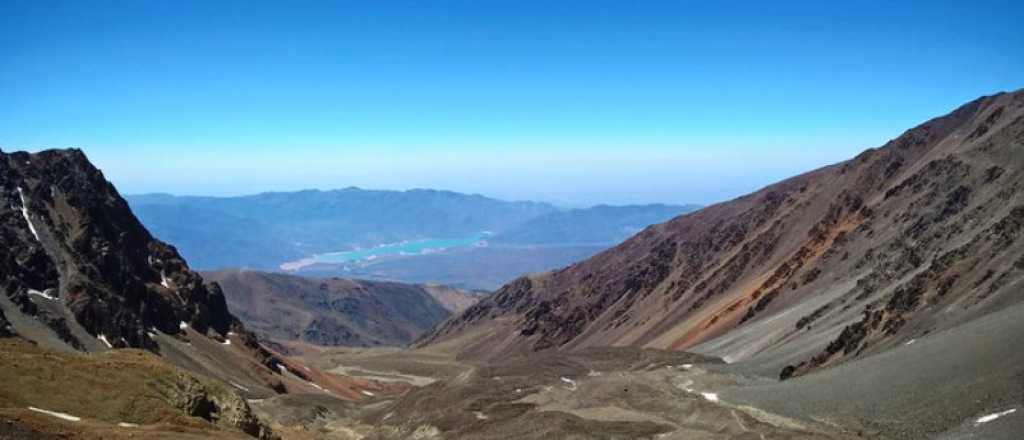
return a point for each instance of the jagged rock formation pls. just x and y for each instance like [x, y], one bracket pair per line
[72, 239]
[919, 235]
[80, 274]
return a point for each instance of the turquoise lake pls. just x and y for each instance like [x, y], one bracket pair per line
[416, 247]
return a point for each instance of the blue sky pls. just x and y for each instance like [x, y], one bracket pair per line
[573, 102]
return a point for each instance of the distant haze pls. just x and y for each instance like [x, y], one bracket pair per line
[602, 177]
[574, 103]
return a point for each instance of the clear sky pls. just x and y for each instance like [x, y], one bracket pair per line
[573, 102]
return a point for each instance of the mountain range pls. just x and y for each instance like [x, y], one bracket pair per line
[879, 297]
[266, 230]
[271, 231]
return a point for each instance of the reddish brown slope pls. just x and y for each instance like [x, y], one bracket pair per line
[922, 233]
[336, 311]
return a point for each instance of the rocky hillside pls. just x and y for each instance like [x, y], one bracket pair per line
[80, 274]
[73, 244]
[337, 311]
[919, 235]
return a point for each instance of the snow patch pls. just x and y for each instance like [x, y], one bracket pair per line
[128, 425]
[368, 393]
[284, 369]
[910, 342]
[711, 397]
[164, 281]
[56, 414]
[686, 366]
[994, 416]
[572, 383]
[42, 294]
[480, 415]
[226, 342]
[24, 213]
[238, 386]
[320, 388]
[105, 341]
[183, 325]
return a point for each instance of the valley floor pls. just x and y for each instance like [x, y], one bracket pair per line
[963, 383]
[599, 393]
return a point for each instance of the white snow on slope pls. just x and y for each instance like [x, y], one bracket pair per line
[24, 212]
[572, 383]
[183, 325]
[164, 281]
[105, 341]
[710, 396]
[56, 414]
[994, 416]
[42, 294]
[238, 386]
[368, 393]
[320, 388]
[128, 425]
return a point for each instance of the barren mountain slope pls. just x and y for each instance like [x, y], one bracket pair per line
[79, 273]
[916, 236]
[337, 311]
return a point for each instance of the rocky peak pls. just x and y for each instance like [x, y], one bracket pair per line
[74, 245]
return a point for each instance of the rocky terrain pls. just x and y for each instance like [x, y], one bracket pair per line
[80, 274]
[874, 298]
[337, 311]
[902, 243]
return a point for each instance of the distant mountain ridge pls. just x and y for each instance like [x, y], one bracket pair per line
[265, 231]
[601, 224]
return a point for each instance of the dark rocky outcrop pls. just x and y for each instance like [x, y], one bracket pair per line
[69, 234]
